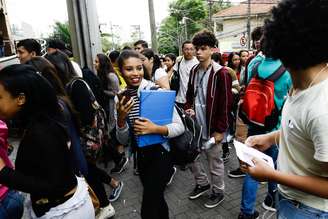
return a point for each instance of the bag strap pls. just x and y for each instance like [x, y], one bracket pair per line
[277, 74]
[91, 95]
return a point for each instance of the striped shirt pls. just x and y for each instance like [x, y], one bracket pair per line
[134, 113]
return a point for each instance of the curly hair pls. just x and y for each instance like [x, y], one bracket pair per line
[298, 27]
[204, 38]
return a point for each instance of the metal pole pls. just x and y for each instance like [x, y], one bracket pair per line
[210, 3]
[111, 30]
[249, 25]
[152, 25]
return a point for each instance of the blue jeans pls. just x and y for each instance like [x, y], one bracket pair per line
[2, 51]
[250, 185]
[12, 206]
[290, 209]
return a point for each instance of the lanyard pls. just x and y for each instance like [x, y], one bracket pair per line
[199, 85]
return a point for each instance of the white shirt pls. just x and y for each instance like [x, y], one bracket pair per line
[159, 73]
[304, 140]
[184, 71]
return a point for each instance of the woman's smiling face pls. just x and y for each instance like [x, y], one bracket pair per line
[133, 71]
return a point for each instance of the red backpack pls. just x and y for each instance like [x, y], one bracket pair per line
[258, 108]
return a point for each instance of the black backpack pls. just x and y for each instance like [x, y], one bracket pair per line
[185, 148]
[175, 80]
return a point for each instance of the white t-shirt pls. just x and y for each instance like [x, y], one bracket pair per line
[77, 69]
[304, 141]
[159, 73]
[184, 71]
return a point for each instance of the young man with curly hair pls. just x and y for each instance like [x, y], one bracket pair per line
[296, 34]
[209, 99]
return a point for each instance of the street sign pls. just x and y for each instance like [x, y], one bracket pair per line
[243, 41]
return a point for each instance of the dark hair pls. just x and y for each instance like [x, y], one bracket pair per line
[126, 48]
[230, 64]
[113, 55]
[296, 33]
[126, 54]
[143, 43]
[243, 50]
[149, 53]
[63, 66]
[216, 56]
[48, 71]
[105, 67]
[186, 42]
[41, 101]
[204, 38]
[31, 45]
[59, 44]
[257, 33]
[171, 56]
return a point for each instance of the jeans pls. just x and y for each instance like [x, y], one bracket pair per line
[96, 178]
[12, 206]
[155, 167]
[2, 51]
[215, 167]
[291, 209]
[250, 185]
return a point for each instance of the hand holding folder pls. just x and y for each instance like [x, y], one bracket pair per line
[157, 106]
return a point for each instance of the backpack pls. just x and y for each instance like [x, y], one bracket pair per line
[185, 148]
[94, 136]
[258, 108]
[175, 80]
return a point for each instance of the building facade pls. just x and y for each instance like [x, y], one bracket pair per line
[230, 25]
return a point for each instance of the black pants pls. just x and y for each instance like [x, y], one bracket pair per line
[96, 179]
[154, 166]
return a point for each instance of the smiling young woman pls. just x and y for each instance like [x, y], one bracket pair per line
[153, 161]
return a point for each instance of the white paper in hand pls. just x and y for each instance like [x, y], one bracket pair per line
[246, 154]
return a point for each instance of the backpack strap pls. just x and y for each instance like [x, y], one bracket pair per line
[70, 86]
[255, 72]
[277, 74]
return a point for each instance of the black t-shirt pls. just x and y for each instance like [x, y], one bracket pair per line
[43, 166]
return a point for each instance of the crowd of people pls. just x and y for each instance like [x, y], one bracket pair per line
[73, 119]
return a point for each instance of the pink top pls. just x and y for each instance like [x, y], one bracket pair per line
[4, 154]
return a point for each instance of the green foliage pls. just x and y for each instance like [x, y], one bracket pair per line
[61, 31]
[175, 28]
[106, 44]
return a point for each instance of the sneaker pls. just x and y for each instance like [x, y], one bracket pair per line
[172, 176]
[237, 173]
[214, 200]
[106, 212]
[121, 166]
[225, 156]
[255, 215]
[198, 191]
[269, 204]
[116, 192]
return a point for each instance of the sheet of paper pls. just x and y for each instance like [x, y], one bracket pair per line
[246, 154]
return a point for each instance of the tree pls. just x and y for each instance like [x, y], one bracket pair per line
[61, 31]
[185, 19]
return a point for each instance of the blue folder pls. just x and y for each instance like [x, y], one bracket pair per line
[157, 106]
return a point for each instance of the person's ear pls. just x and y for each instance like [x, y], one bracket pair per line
[33, 54]
[21, 99]
[151, 60]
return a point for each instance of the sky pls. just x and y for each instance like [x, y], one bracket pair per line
[121, 14]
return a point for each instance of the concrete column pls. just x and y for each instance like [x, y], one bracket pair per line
[84, 29]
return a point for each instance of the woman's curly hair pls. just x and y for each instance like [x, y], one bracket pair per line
[297, 33]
